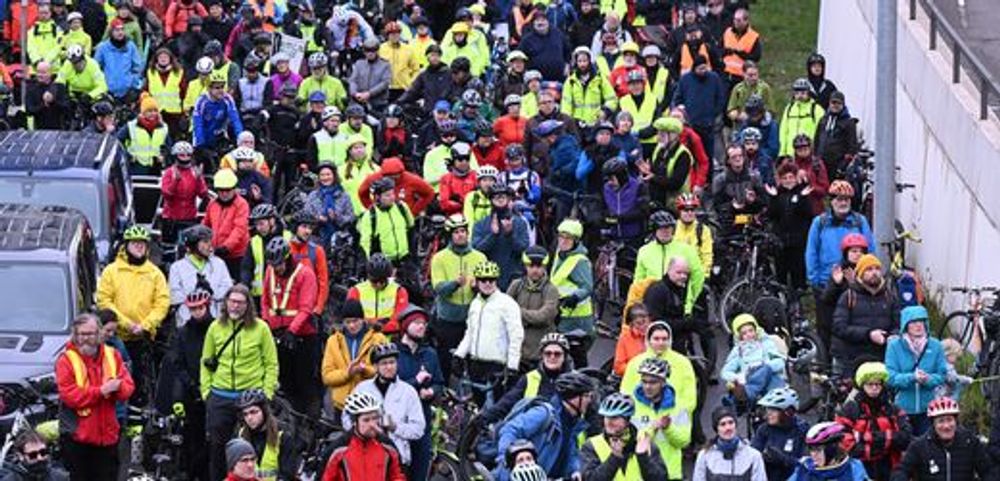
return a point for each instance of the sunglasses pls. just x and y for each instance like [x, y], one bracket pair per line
[41, 453]
[492, 281]
[552, 353]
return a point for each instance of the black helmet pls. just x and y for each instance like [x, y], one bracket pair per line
[213, 47]
[277, 251]
[252, 62]
[379, 267]
[514, 151]
[383, 351]
[614, 166]
[252, 397]
[461, 64]
[815, 57]
[573, 383]
[381, 185]
[102, 108]
[263, 211]
[501, 189]
[517, 447]
[755, 103]
[304, 217]
[460, 150]
[195, 234]
[483, 129]
[536, 255]
[354, 110]
[394, 111]
[471, 98]
[661, 219]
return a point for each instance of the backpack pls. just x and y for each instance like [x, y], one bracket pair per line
[909, 289]
[487, 446]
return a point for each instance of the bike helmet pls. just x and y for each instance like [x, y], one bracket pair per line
[456, 221]
[662, 218]
[195, 234]
[755, 103]
[651, 51]
[182, 148]
[630, 47]
[514, 151]
[815, 57]
[942, 407]
[461, 64]
[780, 398]
[547, 128]
[471, 98]
[800, 84]
[244, 153]
[516, 55]
[669, 124]
[825, 433]
[655, 367]
[617, 405]
[574, 383]
[687, 200]
[635, 76]
[251, 397]
[501, 189]
[802, 140]
[212, 48]
[512, 99]
[536, 255]
[304, 217]
[199, 297]
[204, 65]
[136, 233]
[483, 129]
[486, 270]
[382, 185]
[460, 150]
[751, 134]
[75, 53]
[252, 62]
[354, 111]
[528, 472]
[379, 267]
[517, 447]
[383, 351]
[556, 338]
[854, 239]
[277, 251]
[102, 108]
[318, 60]
[871, 372]
[571, 227]
[841, 188]
[394, 111]
[330, 111]
[358, 403]
[532, 75]
[225, 179]
[487, 171]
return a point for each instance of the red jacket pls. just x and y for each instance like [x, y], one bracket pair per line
[402, 300]
[453, 191]
[296, 314]
[691, 140]
[364, 460]
[175, 22]
[180, 189]
[232, 477]
[230, 225]
[619, 77]
[816, 171]
[410, 188]
[301, 253]
[87, 413]
[509, 130]
[492, 155]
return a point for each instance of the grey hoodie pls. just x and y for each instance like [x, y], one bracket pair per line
[746, 465]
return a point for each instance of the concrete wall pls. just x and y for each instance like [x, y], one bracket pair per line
[942, 147]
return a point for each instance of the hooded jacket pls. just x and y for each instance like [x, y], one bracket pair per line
[552, 430]
[184, 279]
[494, 331]
[746, 464]
[668, 441]
[410, 187]
[452, 300]
[836, 138]
[84, 413]
[122, 66]
[138, 295]
[901, 361]
[823, 243]
[682, 376]
[230, 225]
[539, 301]
[747, 355]
[654, 257]
[338, 354]
[859, 312]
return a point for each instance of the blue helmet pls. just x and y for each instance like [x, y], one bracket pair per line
[617, 405]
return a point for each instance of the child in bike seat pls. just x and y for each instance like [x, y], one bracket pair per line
[755, 365]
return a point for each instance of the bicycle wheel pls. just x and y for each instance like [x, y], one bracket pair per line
[610, 305]
[959, 326]
[738, 298]
[445, 467]
[805, 350]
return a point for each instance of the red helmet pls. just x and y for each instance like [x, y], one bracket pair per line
[841, 188]
[199, 297]
[687, 200]
[942, 407]
[854, 240]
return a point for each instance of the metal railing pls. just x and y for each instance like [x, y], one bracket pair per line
[961, 55]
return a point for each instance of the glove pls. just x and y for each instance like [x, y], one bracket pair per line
[569, 301]
[510, 374]
[768, 455]
[222, 251]
[178, 410]
[288, 339]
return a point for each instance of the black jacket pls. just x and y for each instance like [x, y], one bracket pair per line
[219, 29]
[52, 116]
[651, 465]
[836, 137]
[431, 85]
[187, 360]
[928, 459]
[17, 473]
[791, 214]
[858, 313]
[283, 122]
[582, 32]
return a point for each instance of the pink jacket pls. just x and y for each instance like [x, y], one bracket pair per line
[180, 189]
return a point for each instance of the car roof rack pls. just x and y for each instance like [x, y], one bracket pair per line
[52, 150]
[30, 227]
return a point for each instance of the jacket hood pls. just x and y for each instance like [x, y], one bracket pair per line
[392, 166]
[742, 320]
[912, 314]
[122, 260]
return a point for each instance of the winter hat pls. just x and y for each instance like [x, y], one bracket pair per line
[351, 309]
[148, 103]
[867, 261]
[699, 60]
[721, 413]
[659, 325]
[410, 314]
[237, 448]
[838, 96]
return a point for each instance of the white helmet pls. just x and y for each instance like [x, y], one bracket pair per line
[359, 403]
[74, 53]
[244, 153]
[182, 148]
[205, 65]
[330, 111]
[487, 171]
[528, 472]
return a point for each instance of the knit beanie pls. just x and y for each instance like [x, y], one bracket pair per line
[719, 414]
[148, 103]
[237, 448]
[351, 309]
[867, 261]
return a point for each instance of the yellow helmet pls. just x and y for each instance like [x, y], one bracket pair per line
[630, 47]
[571, 227]
[486, 270]
[217, 77]
[460, 27]
[742, 320]
[225, 179]
[668, 124]
[871, 371]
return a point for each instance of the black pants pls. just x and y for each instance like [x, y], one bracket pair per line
[195, 442]
[448, 336]
[142, 361]
[299, 374]
[485, 372]
[87, 462]
[824, 317]
[707, 134]
[221, 415]
[172, 229]
[791, 263]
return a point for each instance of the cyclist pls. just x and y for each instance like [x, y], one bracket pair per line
[181, 185]
[821, 89]
[47, 102]
[477, 205]
[282, 76]
[31, 460]
[198, 84]
[121, 62]
[658, 416]
[137, 292]
[790, 215]
[147, 139]
[632, 339]
[812, 170]
[800, 117]
[621, 451]
[539, 301]
[916, 365]
[82, 76]
[319, 81]
[402, 57]
[358, 165]
[370, 78]
[949, 451]
[387, 225]
[509, 128]
[446, 147]
[553, 427]
[305, 250]
[728, 456]
[278, 455]
[356, 124]
[44, 36]
[781, 439]
[452, 281]
[419, 367]
[626, 200]
[573, 275]
[246, 145]
[199, 268]
[527, 185]
[455, 185]
[694, 232]
[698, 176]
[239, 354]
[878, 430]
[345, 358]
[652, 260]
[561, 158]
[837, 137]
[539, 382]
[486, 149]
[758, 117]
[394, 138]
[468, 116]
[330, 205]
[241, 461]
[381, 296]
[828, 458]
[432, 83]
[665, 299]
[252, 185]
[755, 366]
[253, 90]
[327, 145]
[737, 193]
[228, 216]
[215, 115]
[287, 303]
[407, 186]
[403, 417]
[266, 227]
[363, 455]
[493, 337]
[758, 160]
[865, 317]
[681, 376]
[502, 235]
[186, 350]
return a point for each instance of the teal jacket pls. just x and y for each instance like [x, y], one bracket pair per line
[912, 396]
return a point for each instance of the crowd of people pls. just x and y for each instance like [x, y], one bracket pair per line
[539, 130]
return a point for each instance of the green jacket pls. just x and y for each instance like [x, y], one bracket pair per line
[582, 276]
[250, 361]
[654, 257]
[584, 101]
[453, 300]
[331, 86]
[386, 231]
[798, 118]
[742, 91]
[44, 42]
[90, 81]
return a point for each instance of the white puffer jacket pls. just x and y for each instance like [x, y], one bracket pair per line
[494, 332]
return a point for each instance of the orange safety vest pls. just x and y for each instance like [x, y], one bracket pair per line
[277, 309]
[687, 61]
[744, 43]
[267, 14]
[109, 372]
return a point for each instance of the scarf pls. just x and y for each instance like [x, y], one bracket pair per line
[916, 344]
[354, 341]
[329, 195]
[728, 447]
[149, 124]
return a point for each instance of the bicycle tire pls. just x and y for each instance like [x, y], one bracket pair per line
[446, 466]
[609, 306]
[958, 326]
[799, 380]
[730, 304]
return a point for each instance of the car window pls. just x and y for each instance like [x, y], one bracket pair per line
[120, 193]
[78, 194]
[27, 311]
[85, 273]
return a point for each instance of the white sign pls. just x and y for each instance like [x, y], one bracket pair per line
[295, 48]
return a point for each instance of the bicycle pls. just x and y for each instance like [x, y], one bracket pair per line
[611, 284]
[450, 417]
[315, 436]
[835, 386]
[157, 444]
[977, 329]
[431, 237]
[754, 274]
[345, 265]
[295, 200]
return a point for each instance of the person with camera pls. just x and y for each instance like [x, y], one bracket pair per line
[200, 268]
[365, 453]
[31, 460]
[239, 354]
[290, 290]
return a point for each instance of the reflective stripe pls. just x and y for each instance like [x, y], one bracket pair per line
[603, 451]
[167, 95]
[560, 279]
[80, 370]
[144, 146]
[372, 300]
[267, 465]
[280, 310]
[734, 64]
[671, 163]
[257, 251]
[642, 115]
[326, 151]
[533, 381]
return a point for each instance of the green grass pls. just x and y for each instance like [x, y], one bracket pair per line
[788, 29]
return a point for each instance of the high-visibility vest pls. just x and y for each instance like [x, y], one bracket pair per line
[642, 115]
[267, 463]
[671, 164]
[658, 87]
[267, 14]
[309, 35]
[167, 94]
[144, 146]
[533, 381]
[257, 251]
[603, 451]
[733, 63]
[377, 304]
[278, 309]
[560, 279]
[223, 70]
[109, 372]
[643, 419]
[687, 61]
[330, 149]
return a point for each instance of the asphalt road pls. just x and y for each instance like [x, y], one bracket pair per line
[976, 23]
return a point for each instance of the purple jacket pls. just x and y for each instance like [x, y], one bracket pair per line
[625, 204]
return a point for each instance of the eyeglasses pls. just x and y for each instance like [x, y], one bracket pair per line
[553, 353]
[39, 454]
[236, 302]
[86, 333]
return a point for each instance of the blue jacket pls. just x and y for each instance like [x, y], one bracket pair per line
[212, 116]
[123, 67]
[911, 396]
[550, 442]
[852, 470]
[504, 249]
[253, 177]
[564, 155]
[823, 244]
[787, 445]
[547, 53]
[704, 99]
[408, 365]
[769, 134]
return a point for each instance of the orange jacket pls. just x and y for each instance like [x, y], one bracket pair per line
[175, 22]
[300, 252]
[87, 413]
[230, 226]
[453, 191]
[295, 314]
[630, 344]
[509, 130]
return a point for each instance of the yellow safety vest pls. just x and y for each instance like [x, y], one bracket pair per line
[223, 70]
[733, 63]
[603, 451]
[267, 463]
[167, 95]
[309, 35]
[560, 279]
[144, 146]
[533, 381]
[643, 419]
[378, 304]
[257, 251]
[110, 370]
[326, 148]
[659, 84]
[671, 163]
[279, 309]
[642, 115]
